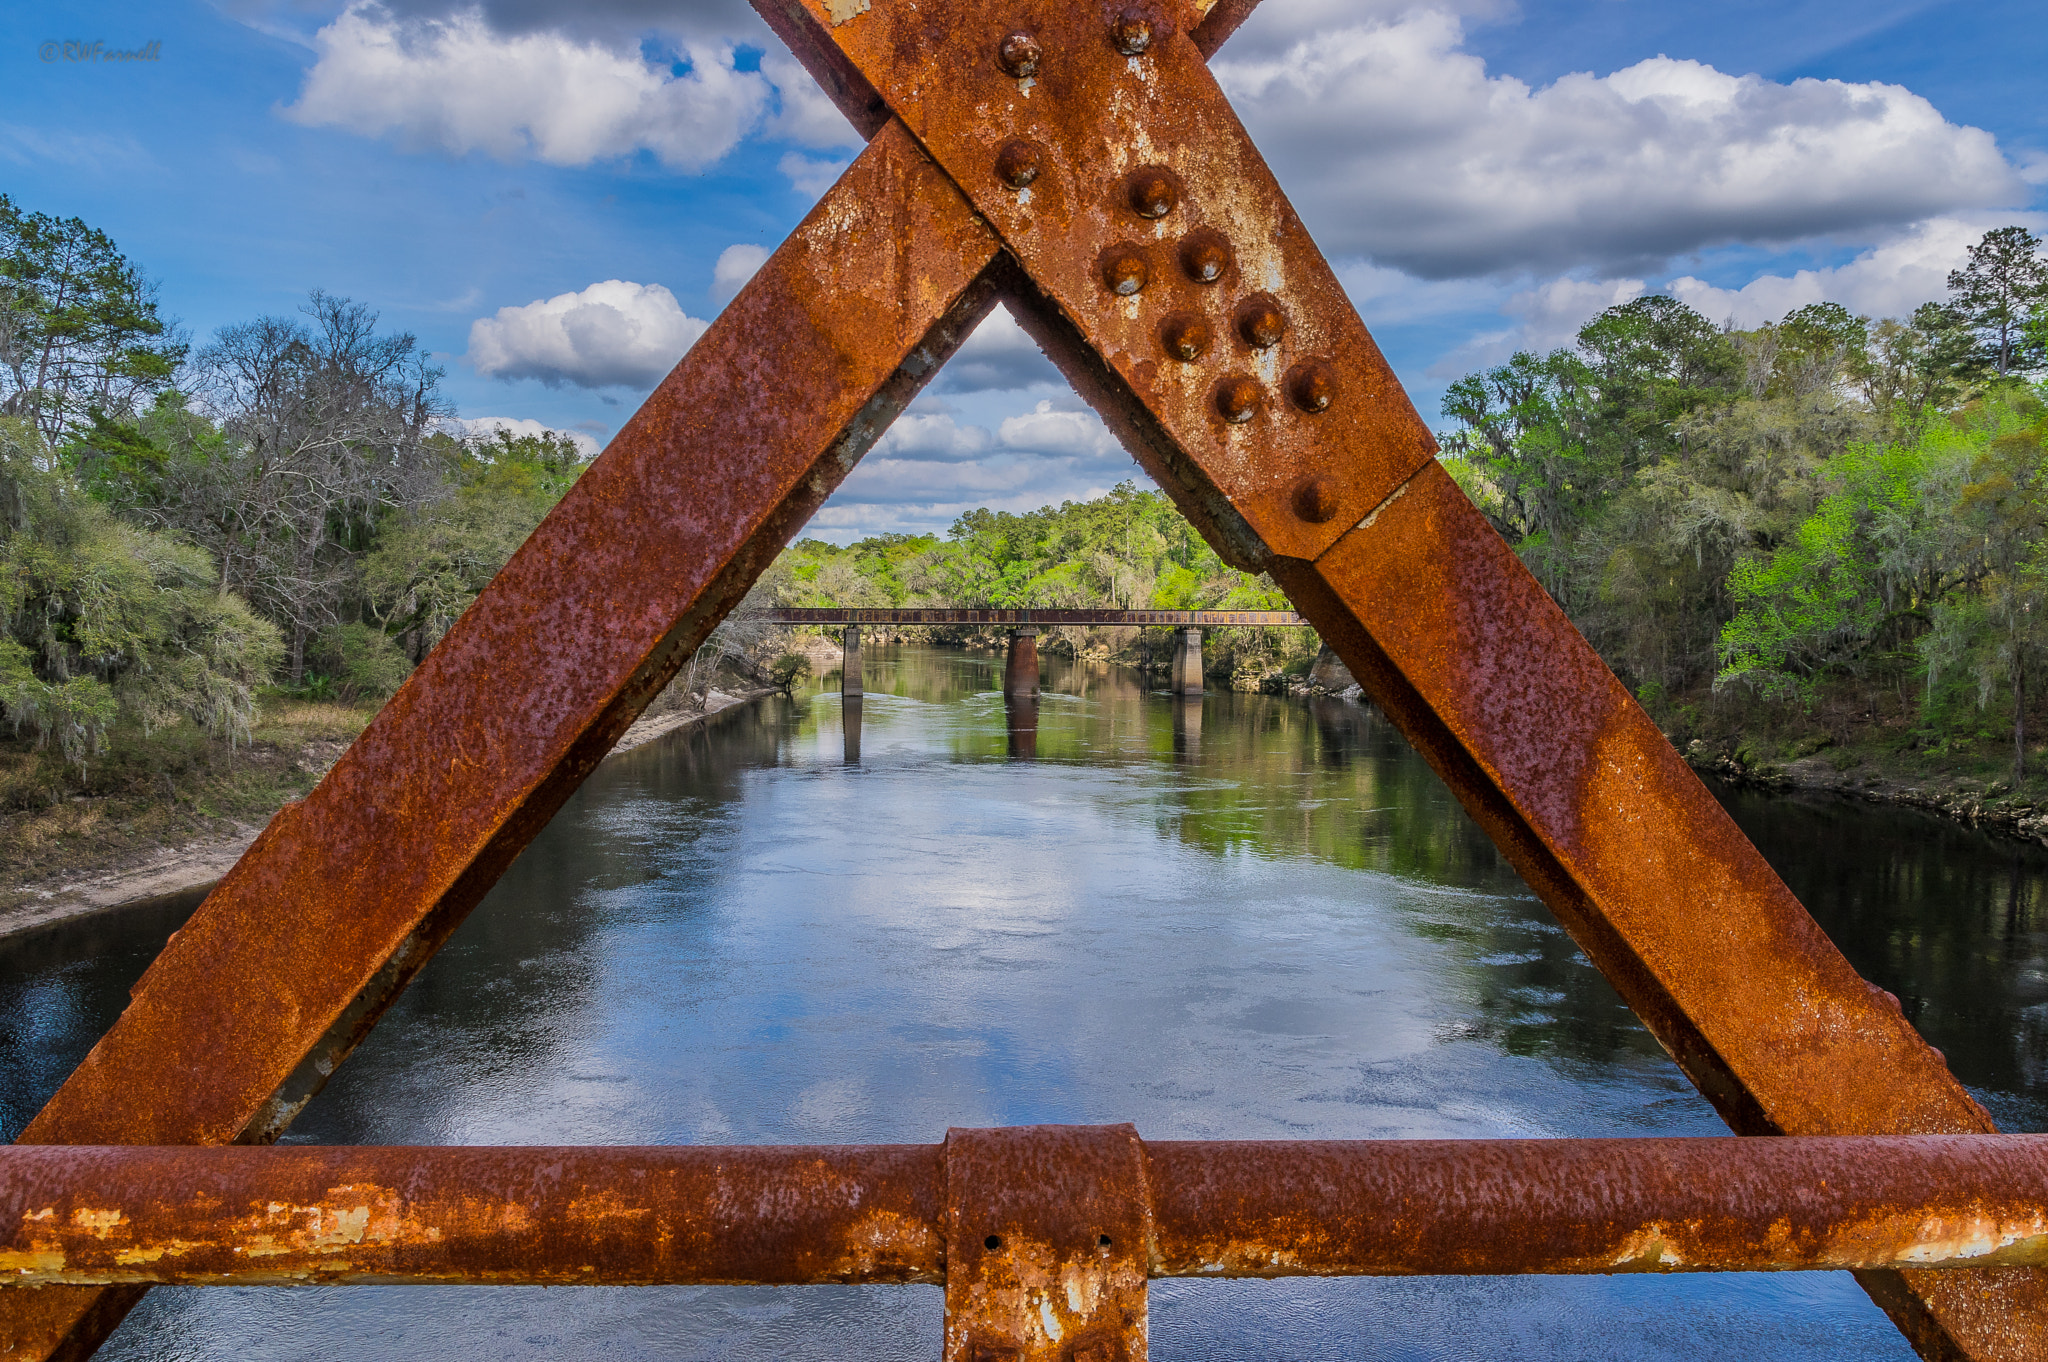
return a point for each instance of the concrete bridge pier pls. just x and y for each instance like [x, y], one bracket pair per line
[849, 724]
[1186, 676]
[1020, 669]
[849, 675]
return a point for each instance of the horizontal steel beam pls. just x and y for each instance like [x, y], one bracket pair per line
[877, 1213]
[1183, 619]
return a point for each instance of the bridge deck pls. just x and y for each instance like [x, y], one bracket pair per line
[1186, 619]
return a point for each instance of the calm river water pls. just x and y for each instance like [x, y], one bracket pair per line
[1238, 917]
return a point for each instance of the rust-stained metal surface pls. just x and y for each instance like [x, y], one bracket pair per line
[1440, 622]
[1048, 1244]
[1324, 476]
[1044, 1236]
[550, 1216]
[1142, 160]
[1089, 170]
[294, 956]
[1406, 1207]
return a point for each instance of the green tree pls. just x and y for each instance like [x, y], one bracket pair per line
[1998, 634]
[104, 619]
[432, 558]
[79, 327]
[2000, 286]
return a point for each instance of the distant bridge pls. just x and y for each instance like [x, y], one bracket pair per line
[1174, 619]
[1020, 674]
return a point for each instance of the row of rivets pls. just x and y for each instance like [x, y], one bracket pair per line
[1019, 54]
[1124, 270]
[1205, 256]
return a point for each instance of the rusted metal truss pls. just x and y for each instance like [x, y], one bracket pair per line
[1077, 161]
[1106, 1211]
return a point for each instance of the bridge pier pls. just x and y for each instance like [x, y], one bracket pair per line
[1186, 676]
[1020, 669]
[849, 675]
[849, 725]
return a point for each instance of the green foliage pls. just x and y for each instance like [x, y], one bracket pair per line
[362, 663]
[1911, 536]
[788, 669]
[102, 618]
[430, 561]
[79, 330]
[1128, 549]
[2005, 280]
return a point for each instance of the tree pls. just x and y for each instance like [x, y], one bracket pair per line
[79, 329]
[103, 619]
[1998, 635]
[2005, 279]
[317, 433]
[432, 558]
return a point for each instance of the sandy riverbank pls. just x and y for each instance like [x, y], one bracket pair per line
[188, 871]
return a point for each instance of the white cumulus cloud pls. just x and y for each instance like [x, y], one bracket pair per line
[1397, 145]
[614, 333]
[1075, 432]
[736, 264]
[998, 357]
[1888, 280]
[456, 84]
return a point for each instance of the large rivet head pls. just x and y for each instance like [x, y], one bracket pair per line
[1238, 398]
[1261, 322]
[1132, 32]
[1312, 385]
[1123, 271]
[1205, 255]
[1315, 500]
[1185, 336]
[1019, 54]
[1017, 163]
[1153, 192]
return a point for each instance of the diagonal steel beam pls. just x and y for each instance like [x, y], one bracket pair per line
[1166, 273]
[346, 895]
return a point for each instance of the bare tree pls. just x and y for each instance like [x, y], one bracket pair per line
[325, 422]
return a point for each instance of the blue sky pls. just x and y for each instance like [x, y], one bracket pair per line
[544, 192]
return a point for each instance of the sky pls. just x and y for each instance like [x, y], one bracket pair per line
[555, 197]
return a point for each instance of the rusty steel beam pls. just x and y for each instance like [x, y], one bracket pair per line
[1013, 1222]
[1253, 394]
[579, 1215]
[295, 955]
[1457, 1207]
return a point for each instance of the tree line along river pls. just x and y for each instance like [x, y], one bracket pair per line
[1238, 917]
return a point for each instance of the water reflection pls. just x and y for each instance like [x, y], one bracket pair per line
[1020, 722]
[1237, 916]
[1187, 726]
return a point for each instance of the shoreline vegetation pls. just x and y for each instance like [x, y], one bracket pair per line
[1816, 550]
[166, 850]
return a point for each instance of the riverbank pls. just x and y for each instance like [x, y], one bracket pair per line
[293, 750]
[1989, 805]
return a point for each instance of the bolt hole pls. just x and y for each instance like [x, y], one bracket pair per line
[994, 1241]
[1103, 1240]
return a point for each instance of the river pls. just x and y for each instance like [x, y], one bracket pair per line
[1239, 917]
